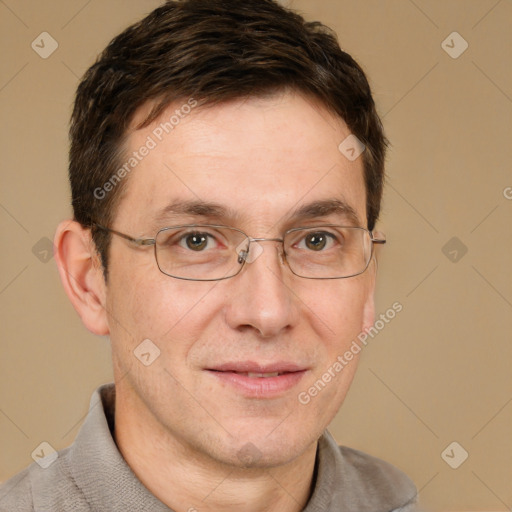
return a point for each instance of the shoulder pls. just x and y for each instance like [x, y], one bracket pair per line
[16, 494]
[49, 486]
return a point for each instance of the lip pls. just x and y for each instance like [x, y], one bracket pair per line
[253, 367]
[234, 375]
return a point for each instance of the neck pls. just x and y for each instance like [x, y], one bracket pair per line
[188, 481]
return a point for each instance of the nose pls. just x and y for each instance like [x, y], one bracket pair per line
[262, 298]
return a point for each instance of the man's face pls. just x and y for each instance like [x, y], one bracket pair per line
[259, 161]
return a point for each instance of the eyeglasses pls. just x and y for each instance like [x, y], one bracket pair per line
[205, 252]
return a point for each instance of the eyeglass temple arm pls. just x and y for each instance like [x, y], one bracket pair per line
[378, 240]
[137, 241]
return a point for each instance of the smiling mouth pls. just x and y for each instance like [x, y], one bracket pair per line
[257, 381]
[254, 375]
[255, 369]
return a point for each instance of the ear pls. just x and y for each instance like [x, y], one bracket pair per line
[81, 274]
[369, 305]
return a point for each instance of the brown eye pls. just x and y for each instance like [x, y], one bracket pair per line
[196, 241]
[316, 241]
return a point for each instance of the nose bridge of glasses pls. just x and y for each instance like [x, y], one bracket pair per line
[265, 239]
[253, 249]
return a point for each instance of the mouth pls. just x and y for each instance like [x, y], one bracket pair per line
[254, 380]
[255, 375]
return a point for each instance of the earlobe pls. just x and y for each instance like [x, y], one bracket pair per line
[81, 275]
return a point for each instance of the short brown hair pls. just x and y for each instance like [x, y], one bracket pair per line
[212, 51]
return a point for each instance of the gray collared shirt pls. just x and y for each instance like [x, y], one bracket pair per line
[91, 475]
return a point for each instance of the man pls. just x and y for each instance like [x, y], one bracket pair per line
[226, 168]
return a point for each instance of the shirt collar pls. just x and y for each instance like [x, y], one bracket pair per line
[344, 478]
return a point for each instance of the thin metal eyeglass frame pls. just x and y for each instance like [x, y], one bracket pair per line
[152, 241]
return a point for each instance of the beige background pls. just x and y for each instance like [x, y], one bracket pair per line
[439, 372]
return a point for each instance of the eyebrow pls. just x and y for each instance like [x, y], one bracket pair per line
[309, 211]
[195, 209]
[327, 207]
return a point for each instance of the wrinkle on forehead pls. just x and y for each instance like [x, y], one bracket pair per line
[256, 158]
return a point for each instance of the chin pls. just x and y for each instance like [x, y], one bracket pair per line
[258, 449]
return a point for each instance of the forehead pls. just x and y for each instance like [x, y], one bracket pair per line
[260, 159]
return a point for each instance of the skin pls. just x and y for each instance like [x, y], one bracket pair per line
[180, 429]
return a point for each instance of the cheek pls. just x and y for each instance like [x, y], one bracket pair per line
[336, 309]
[160, 308]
